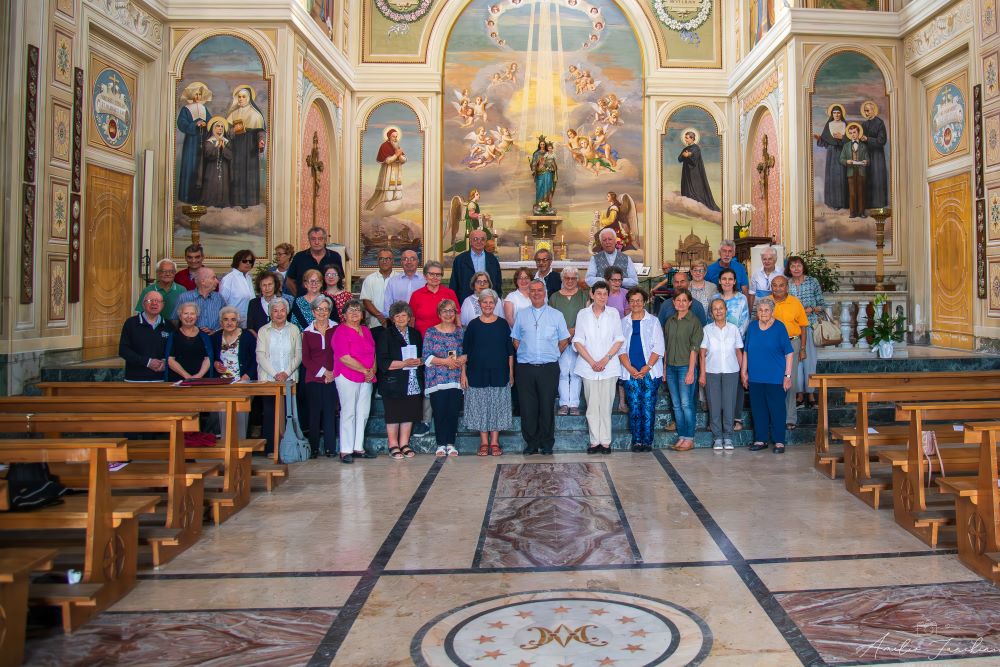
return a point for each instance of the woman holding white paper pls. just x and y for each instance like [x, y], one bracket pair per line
[398, 354]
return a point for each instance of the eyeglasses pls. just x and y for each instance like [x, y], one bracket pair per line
[385, 259]
[248, 260]
[312, 281]
[333, 275]
[482, 281]
[617, 280]
[448, 311]
[434, 275]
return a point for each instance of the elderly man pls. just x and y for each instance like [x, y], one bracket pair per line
[402, 285]
[789, 311]
[209, 301]
[424, 301]
[543, 262]
[681, 280]
[316, 256]
[194, 256]
[471, 262]
[727, 251]
[540, 336]
[609, 255]
[143, 341]
[166, 285]
[373, 289]
[760, 281]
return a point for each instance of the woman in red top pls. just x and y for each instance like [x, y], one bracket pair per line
[333, 288]
[424, 301]
[321, 392]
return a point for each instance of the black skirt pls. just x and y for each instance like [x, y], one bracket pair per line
[403, 410]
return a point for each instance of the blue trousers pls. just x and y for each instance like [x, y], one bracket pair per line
[767, 405]
[641, 396]
[682, 396]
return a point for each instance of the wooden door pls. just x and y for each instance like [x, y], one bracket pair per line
[952, 266]
[107, 260]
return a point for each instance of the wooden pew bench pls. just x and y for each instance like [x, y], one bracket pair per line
[272, 473]
[16, 567]
[826, 457]
[178, 523]
[977, 503]
[102, 529]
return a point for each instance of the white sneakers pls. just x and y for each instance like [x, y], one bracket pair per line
[446, 451]
[719, 445]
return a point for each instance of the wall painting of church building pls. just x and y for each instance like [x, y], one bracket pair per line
[570, 72]
[392, 183]
[222, 111]
[849, 97]
[692, 186]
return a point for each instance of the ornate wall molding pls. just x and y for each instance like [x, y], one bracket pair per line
[138, 22]
[757, 95]
[937, 31]
[323, 83]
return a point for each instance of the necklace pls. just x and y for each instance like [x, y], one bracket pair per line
[536, 317]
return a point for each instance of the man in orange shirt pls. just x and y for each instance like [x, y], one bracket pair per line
[789, 311]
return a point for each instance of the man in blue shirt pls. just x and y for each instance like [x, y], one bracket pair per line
[540, 336]
[209, 301]
[402, 285]
[727, 251]
[667, 310]
[474, 260]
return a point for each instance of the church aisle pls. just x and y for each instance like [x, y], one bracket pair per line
[628, 559]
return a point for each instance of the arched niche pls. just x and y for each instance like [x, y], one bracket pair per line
[768, 213]
[318, 130]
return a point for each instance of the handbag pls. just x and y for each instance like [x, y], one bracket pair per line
[929, 443]
[294, 447]
[827, 331]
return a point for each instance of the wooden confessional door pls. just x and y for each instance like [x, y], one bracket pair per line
[951, 262]
[107, 257]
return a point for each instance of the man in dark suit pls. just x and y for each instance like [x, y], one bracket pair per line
[543, 262]
[472, 261]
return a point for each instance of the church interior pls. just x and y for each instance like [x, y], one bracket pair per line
[863, 135]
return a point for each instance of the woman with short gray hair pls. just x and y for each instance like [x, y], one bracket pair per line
[279, 355]
[569, 301]
[768, 358]
[488, 374]
[320, 390]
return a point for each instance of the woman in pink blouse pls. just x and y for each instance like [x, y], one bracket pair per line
[354, 373]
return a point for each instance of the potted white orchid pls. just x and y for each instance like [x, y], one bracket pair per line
[744, 215]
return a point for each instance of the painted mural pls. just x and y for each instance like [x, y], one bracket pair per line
[948, 114]
[395, 29]
[690, 30]
[314, 175]
[544, 105]
[223, 116]
[765, 197]
[392, 183]
[692, 185]
[761, 19]
[849, 98]
[111, 107]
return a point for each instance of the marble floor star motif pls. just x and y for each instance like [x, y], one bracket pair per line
[578, 628]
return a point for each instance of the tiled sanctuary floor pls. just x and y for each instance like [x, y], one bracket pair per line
[628, 559]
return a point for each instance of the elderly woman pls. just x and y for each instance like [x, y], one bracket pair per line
[642, 371]
[569, 301]
[301, 312]
[283, 253]
[399, 353]
[683, 334]
[189, 350]
[279, 355]
[235, 354]
[470, 307]
[488, 375]
[333, 289]
[760, 281]
[808, 291]
[320, 390]
[236, 286]
[721, 361]
[614, 277]
[518, 299]
[444, 360]
[268, 286]
[354, 374]
[767, 375]
[702, 290]
[597, 340]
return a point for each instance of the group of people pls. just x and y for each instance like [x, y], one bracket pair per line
[428, 348]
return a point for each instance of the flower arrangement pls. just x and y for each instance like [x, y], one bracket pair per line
[386, 10]
[883, 329]
[744, 216]
[683, 26]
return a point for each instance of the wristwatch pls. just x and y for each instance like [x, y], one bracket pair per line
[788, 375]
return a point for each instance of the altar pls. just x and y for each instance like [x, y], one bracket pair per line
[543, 237]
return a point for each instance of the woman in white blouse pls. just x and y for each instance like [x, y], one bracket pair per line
[236, 287]
[642, 371]
[597, 340]
[470, 307]
[721, 361]
[279, 354]
[517, 299]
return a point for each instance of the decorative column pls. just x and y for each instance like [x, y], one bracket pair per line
[862, 323]
[845, 324]
[880, 215]
[194, 214]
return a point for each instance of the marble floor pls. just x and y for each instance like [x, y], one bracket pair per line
[629, 559]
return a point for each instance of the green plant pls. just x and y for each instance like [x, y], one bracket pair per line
[883, 326]
[821, 270]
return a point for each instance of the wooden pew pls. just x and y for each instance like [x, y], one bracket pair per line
[859, 443]
[977, 503]
[915, 507]
[826, 460]
[109, 527]
[16, 567]
[183, 482]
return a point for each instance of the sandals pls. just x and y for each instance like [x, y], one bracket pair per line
[451, 451]
[407, 452]
[441, 451]
[395, 453]
[495, 450]
[757, 446]
[484, 449]
[737, 424]
[779, 448]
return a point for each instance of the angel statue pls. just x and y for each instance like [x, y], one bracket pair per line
[620, 218]
[545, 171]
[474, 219]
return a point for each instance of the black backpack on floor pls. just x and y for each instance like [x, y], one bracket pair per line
[32, 486]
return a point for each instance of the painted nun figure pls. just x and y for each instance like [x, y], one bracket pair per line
[216, 166]
[192, 121]
[834, 176]
[247, 134]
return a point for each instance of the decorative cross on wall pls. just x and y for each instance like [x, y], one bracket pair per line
[764, 168]
[316, 167]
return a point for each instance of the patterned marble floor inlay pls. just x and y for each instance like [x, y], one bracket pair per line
[568, 628]
[555, 514]
[905, 623]
[263, 638]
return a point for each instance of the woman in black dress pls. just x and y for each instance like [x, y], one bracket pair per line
[401, 382]
[488, 375]
[189, 350]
